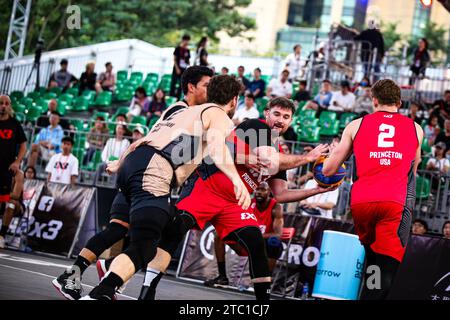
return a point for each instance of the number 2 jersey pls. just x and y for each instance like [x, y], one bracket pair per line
[385, 147]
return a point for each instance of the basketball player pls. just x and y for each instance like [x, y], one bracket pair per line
[386, 146]
[208, 197]
[166, 157]
[270, 219]
[194, 82]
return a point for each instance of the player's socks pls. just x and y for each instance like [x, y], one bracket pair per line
[262, 290]
[108, 262]
[107, 287]
[151, 281]
[222, 268]
[82, 263]
[3, 231]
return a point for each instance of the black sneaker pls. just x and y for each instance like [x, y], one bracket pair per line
[100, 292]
[220, 281]
[67, 287]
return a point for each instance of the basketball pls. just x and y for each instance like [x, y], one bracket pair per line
[327, 182]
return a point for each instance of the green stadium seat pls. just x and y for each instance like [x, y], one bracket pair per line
[20, 116]
[315, 89]
[329, 128]
[139, 120]
[35, 95]
[73, 91]
[423, 187]
[56, 90]
[152, 78]
[266, 78]
[41, 90]
[152, 122]
[305, 114]
[122, 75]
[104, 99]
[81, 104]
[61, 108]
[78, 124]
[121, 110]
[50, 95]
[93, 164]
[90, 95]
[69, 98]
[105, 115]
[308, 134]
[426, 148]
[261, 103]
[125, 94]
[19, 108]
[79, 154]
[16, 95]
[170, 100]
[137, 76]
[346, 118]
[43, 103]
[80, 140]
[33, 113]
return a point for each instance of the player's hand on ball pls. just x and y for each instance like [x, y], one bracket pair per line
[317, 152]
[242, 194]
[326, 189]
[113, 167]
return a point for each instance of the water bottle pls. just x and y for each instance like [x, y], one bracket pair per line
[305, 291]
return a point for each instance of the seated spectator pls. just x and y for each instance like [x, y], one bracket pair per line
[343, 100]
[30, 173]
[439, 162]
[363, 104]
[96, 138]
[248, 112]
[257, 87]
[44, 120]
[47, 142]
[419, 227]
[138, 133]
[121, 118]
[224, 71]
[323, 98]
[116, 146]
[441, 109]
[415, 112]
[88, 78]
[139, 103]
[107, 80]
[302, 94]
[280, 87]
[62, 78]
[156, 106]
[431, 130]
[446, 230]
[63, 167]
[311, 105]
[242, 79]
[294, 63]
[444, 136]
[321, 204]
[359, 89]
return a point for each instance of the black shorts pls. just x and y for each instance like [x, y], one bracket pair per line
[120, 208]
[6, 182]
[145, 179]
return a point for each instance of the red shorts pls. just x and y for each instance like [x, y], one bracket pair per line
[207, 206]
[385, 226]
[5, 197]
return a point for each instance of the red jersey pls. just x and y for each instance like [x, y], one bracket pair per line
[385, 147]
[265, 219]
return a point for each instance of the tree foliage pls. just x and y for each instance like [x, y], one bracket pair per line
[160, 22]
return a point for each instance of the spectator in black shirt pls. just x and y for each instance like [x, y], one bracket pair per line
[444, 135]
[371, 38]
[88, 78]
[441, 109]
[62, 78]
[257, 87]
[181, 58]
[13, 148]
[201, 58]
[421, 59]
[156, 106]
[415, 112]
[302, 94]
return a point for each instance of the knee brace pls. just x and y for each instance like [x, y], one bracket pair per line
[274, 247]
[105, 239]
[250, 238]
[141, 252]
[175, 231]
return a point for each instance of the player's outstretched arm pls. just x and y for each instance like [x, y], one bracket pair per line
[217, 126]
[343, 149]
[282, 194]
[290, 161]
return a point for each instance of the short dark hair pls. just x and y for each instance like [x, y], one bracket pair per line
[296, 46]
[446, 91]
[56, 113]
[422, 222]
[108, 64]
[186, 37]
[285, 71]
[64, 61]
[283, 103]
[225, 68]
[68, 139]
[100, 118]
[34, 172]
[222, 89]
[326, 81]
[193, 75]
[445, 223]
[250, 96]
[345, 84]
[303, 82]
[241, 67]
[141, 90]
[258, 69]
[387, 92]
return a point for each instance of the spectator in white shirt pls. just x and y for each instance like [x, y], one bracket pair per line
[342, 100]
[439, 162]
[116, 146]
[364, 104]
[63, 167]
[294, 63]
[249, 111]
[280, 87]
[321, 204]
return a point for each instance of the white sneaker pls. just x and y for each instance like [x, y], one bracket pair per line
[87, 297]
[2, 243]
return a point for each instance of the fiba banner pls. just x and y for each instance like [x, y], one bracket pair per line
[425, 270]
[198, 259]
[58, 218]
